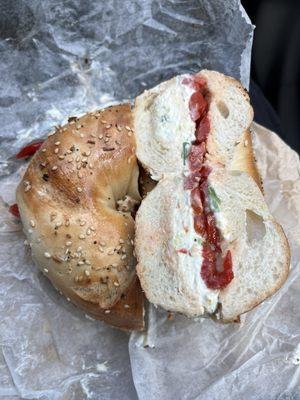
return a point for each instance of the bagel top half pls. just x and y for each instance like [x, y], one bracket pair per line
[75, 202]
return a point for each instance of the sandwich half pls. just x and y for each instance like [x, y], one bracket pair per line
[206, 242]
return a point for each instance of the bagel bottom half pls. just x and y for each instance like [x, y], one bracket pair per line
[77, 201]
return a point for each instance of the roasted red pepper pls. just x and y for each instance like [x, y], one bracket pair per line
[29, 150]
[14, 210]
[197, 106]
[213, 278]
[216, 272]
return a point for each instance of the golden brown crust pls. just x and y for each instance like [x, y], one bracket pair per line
[70, 203]
[127, 314]
[243, 159]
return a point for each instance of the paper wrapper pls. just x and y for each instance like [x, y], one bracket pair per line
[64, 59]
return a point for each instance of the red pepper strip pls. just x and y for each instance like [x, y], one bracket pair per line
[29, 150]
[213, 278]
[183, 251]
[14, 210]
[197, 106]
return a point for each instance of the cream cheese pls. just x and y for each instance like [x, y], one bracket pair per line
[170, 128]
[186, 238]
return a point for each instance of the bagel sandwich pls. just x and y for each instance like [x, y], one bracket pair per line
[77, 202]
[206, 242]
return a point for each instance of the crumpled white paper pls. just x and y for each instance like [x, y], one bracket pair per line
[60, 59]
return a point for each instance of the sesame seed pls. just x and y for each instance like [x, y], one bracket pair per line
[128, 133]
[132, 242]
[90, 166]
[246, 143]
[80, 263]
[30, 230]
[46, 270]
[58, 224]
[68, 299]
[79, 174]
[56, 151]
[87, 262]
[108, 126]
[44, 150]
[69, 243]
[47, 255]
[103, 244]
[82, 223]
[106, 311]
[123, 257]
[114, 265]
[81, 236]
[82, 135]
[54, 168]
[118, 248]
[92, 228]
[108, 135]
[128, 128]
[79, 166]
[67, 223]
[69, 160]
[93, 135]
[121, 241]
[87, 273]
[79, 189]
[119, 128]
[106, 140]
[100, 137]
[110, 252]
[103, 121]
[84, 159]
[118, 142]
[126, 306]
[77, 159]
[86, 153]
[57, 143]
[79, 248]
[32, 223]
[61, 157]
[88, 232]
[100, 249]
[116, 284]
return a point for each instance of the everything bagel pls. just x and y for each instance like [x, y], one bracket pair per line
[75, 202]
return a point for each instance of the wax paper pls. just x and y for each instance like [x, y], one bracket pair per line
[62, 58]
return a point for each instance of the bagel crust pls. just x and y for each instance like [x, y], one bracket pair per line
[75, 202]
